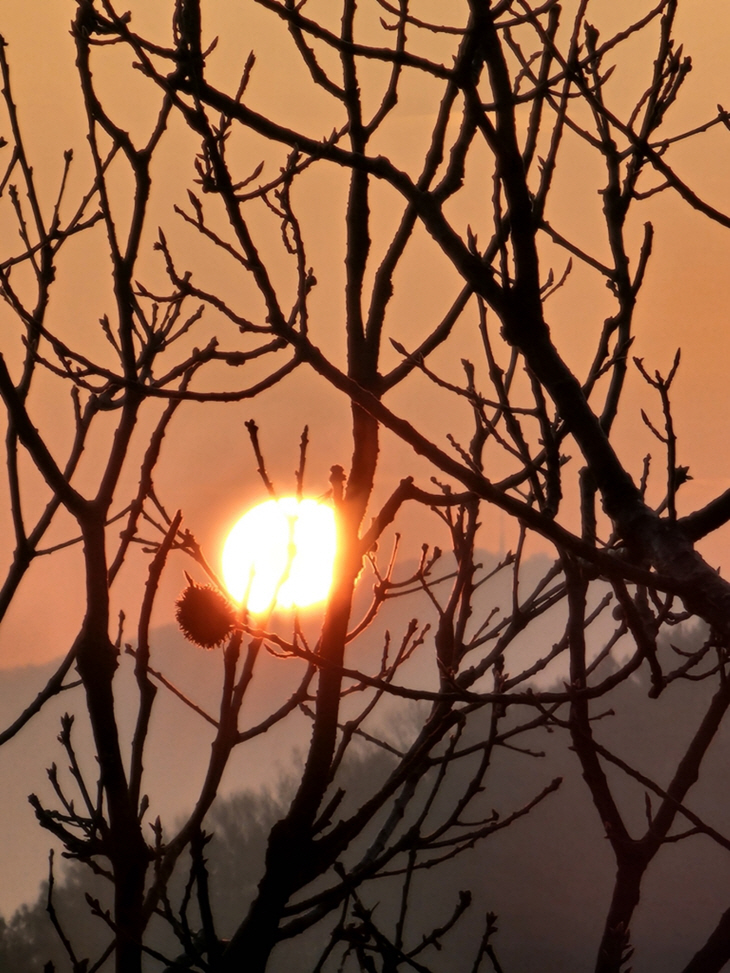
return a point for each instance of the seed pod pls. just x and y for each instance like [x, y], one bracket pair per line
[204, 615]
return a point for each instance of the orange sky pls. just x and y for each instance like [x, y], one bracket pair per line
[207, 468]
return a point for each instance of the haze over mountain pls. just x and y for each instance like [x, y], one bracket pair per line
[548, 876]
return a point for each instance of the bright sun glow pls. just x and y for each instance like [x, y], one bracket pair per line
[283, 551]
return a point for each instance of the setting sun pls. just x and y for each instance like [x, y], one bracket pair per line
[282, 552]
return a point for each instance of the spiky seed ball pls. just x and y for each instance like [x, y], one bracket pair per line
[204, 615]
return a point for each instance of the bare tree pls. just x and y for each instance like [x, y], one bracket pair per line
[514, 83]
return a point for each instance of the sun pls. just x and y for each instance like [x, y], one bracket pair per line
[281, 554]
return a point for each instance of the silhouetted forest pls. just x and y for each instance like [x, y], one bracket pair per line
[547, 878]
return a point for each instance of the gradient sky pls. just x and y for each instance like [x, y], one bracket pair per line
[207, 468]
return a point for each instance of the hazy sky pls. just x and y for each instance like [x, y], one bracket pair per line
[207, 468]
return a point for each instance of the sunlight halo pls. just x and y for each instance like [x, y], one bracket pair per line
[282, 552]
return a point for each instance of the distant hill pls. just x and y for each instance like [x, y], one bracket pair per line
[548, 877]
[179, 747]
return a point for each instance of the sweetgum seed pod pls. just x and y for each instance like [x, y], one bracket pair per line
[204, 615]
